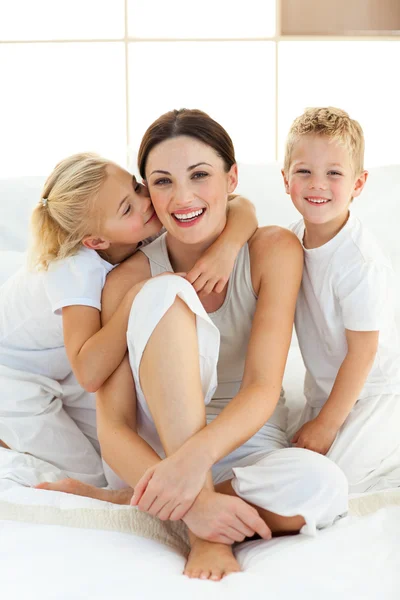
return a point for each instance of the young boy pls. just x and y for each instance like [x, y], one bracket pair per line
[345, 314]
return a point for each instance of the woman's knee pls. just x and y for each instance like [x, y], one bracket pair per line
[324, 479]
[153, 298]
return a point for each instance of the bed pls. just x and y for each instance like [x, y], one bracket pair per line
[60, 546]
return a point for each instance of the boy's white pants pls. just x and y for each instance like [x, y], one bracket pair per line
[264, 471]
[367, 447]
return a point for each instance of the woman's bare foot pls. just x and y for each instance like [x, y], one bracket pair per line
[209, 560]
[78, 488]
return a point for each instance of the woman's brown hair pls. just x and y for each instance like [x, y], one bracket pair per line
[193, 123]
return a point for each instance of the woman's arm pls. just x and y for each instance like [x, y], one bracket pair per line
[213, 516]
[212, 271]
[276, 263]
[116, 398]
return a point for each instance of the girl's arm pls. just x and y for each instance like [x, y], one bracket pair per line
[95, 351]
[212, 271]
[319, 433]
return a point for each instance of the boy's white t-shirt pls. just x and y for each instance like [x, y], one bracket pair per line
[348, 283]
[31, 331]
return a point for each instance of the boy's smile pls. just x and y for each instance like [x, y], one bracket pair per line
[321, 182]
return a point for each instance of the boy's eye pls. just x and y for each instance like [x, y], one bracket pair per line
[137, 188]
[199, 175]
[302, 171]
[334, 173]
[127, 210]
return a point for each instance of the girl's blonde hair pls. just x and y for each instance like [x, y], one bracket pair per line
[65, 213]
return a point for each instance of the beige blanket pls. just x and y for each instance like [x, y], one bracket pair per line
[128, 520]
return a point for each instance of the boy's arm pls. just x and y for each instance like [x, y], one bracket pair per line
[212, 271]
[319, 433]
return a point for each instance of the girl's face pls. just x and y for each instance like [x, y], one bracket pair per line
[126, 214]
[189, 188]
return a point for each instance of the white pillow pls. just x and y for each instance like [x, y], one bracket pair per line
[18, 196]
[10, 262]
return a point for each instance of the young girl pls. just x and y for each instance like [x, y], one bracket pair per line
[85, 224]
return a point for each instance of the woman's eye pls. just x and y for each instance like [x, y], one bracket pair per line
[162, 181]
[199, 175]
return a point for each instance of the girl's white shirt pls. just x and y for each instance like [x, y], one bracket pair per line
[31, 330]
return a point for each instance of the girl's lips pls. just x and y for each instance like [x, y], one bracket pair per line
[153, 216]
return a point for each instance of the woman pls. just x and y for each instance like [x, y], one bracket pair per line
[188, 162]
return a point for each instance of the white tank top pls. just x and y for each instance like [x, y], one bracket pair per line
[234, 321]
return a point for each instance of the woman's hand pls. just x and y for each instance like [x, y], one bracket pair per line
[212, 271]
[315, 435]
[225, 519]
[168, 489]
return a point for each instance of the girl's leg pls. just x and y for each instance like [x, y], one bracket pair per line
[33, 422]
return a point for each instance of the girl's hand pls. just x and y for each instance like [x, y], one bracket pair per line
[169, 489]
[225, 519]
[212, 271]
[315, 435]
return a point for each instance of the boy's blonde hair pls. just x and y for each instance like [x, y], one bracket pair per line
[65, 213]
[333, 123]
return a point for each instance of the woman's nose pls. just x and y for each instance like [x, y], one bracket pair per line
[183, 196]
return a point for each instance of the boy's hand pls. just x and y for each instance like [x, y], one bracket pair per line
[315, 435]
[212, 271]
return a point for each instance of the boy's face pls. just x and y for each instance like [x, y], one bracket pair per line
[321, 180]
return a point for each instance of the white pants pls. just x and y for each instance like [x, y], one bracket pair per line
[367, 447]
[51, 421]
[264, 471]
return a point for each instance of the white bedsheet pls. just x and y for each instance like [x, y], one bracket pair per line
[359, 558]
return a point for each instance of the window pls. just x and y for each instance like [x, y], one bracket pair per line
[92, 74]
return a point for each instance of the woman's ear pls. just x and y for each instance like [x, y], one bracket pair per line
[233, 178]
[95, 243]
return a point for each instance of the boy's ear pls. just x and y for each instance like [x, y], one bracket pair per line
[360, 183]
[95, 243]
[285, 181]
[233, 178]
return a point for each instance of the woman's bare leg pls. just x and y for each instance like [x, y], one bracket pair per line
[175, 400]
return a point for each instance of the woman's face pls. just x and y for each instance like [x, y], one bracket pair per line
[189, 187]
